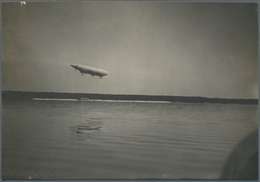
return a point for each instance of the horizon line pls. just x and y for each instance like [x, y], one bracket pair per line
[132, 95]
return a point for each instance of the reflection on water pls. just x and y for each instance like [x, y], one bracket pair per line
[81, 129]
[84, 131]
[87, 127]
[107, 140]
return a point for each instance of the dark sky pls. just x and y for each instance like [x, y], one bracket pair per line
[150, 48]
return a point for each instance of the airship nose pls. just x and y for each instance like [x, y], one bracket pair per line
[74, 66]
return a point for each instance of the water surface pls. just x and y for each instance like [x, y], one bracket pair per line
[120, 140]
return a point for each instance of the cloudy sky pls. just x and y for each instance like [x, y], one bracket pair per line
[150, 48]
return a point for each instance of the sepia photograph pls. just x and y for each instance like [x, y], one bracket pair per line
[129, 90]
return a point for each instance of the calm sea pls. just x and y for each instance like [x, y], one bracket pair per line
[120, 140]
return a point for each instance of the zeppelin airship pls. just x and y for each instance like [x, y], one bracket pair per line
[90, 70]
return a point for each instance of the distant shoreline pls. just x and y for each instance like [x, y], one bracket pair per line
[20, 95]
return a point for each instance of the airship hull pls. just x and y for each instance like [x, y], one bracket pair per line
[90, 70]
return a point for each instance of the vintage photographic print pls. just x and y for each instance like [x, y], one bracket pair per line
[129, 90]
